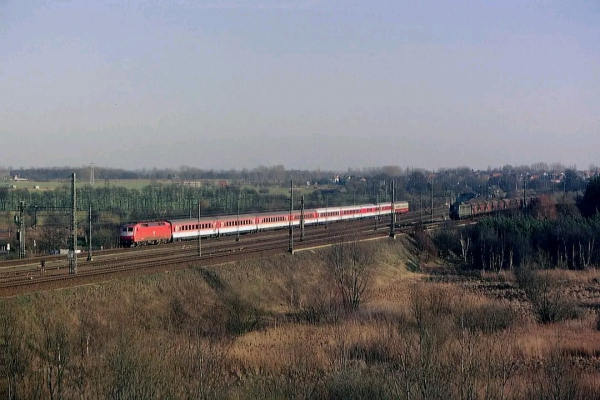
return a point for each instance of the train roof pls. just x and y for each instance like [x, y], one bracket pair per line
[184, 221]
[147, 224]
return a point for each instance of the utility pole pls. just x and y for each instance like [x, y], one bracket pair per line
[378, 210]
[20, 221]
[89, 257]
[91, 174]
[199, 240]
[291, 241]
[432, 196]
[524, 197]
[393, 216]
[302, 218]
[421, 205]
[237, 237]
[73, 244]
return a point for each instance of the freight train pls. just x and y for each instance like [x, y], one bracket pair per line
[156, 232]
[475, 207]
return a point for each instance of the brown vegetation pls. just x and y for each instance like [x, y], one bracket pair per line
[278, 328]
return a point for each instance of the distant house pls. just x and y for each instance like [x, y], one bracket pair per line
[222, 183]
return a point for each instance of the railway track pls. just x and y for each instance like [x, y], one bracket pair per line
[182, 255]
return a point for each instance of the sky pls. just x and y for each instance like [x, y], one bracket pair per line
[330, 84]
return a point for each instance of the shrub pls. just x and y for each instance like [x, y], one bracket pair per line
[353, 384]
[487, 318]
[546, 297]
[317, 312]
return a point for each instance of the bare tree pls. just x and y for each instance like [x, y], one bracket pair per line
[55, 354]
[54, 233]
[13, 351]
[351, 266]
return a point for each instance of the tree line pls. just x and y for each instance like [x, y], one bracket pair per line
[550, 235]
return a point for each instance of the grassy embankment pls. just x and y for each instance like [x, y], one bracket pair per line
[272, 328]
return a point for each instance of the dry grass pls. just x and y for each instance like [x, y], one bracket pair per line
[589, 276]
[574, 337]
[226, 332]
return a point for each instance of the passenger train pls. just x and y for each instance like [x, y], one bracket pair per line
[156, 232]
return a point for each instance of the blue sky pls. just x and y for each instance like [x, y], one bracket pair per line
[330, 84]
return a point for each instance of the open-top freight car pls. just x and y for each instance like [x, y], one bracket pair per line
[477, 207]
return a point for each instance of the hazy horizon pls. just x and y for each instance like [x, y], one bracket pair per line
[305, 84]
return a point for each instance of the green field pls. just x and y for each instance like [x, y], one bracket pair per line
[141, 183]
[51, 185]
